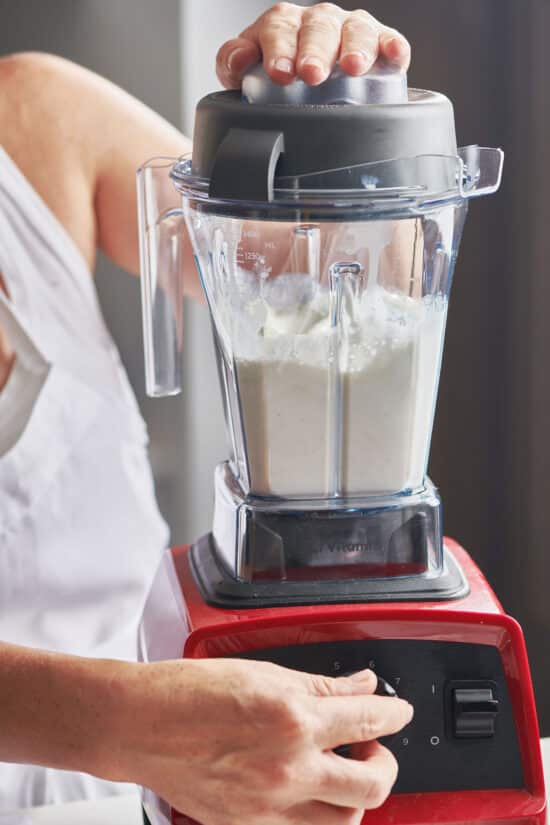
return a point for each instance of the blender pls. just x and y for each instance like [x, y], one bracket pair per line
[325, 225]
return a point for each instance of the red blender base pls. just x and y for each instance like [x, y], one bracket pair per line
[458, 763]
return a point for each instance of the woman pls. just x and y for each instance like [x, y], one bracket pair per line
[80, 533]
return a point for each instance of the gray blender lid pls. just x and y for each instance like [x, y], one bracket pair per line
[247, 145]
[382, 84]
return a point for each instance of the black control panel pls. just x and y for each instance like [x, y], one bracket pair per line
[463, 734]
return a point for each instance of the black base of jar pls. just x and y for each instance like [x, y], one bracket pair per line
[219, 589]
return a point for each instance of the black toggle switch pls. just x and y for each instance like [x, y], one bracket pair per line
[474, 712]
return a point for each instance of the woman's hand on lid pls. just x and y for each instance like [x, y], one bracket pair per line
[297, 41]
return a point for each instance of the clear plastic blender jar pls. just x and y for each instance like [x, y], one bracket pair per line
[328, 291]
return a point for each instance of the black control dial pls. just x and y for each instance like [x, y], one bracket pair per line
[383, 688]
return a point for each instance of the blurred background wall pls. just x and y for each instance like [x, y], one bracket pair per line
[491, 445]
[491, 448]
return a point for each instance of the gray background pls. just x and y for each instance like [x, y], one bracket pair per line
[491, 446]
[491, 451]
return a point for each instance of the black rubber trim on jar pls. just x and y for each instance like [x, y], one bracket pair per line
[219, 589]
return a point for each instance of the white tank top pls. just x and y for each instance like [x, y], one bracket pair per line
[80, 532]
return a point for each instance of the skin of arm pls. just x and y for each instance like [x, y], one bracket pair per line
[93, 137]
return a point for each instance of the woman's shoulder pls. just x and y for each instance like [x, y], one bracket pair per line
[44, 103]
[30, 83]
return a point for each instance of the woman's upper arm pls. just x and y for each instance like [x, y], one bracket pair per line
[79, 139]
[134, 134]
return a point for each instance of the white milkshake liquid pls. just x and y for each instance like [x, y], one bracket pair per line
[388, 354]
[285, 409]
[388, 407]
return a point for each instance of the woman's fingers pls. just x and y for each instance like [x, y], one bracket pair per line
[364, 39]
[307, 41]
[322, 814]
[359, 784]
[395, 48]
[234, 59]
[319, 41]
[360, 42]
[277, 34]
[350, 719]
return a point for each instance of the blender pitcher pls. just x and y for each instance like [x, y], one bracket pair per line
[325, 224]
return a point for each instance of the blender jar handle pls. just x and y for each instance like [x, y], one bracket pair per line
[161, 245]
[481, 170]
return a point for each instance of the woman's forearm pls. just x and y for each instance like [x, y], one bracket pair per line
[56, 710]
[198, 732]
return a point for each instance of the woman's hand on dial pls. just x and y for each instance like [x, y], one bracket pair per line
[297, 41]
[237, 742]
